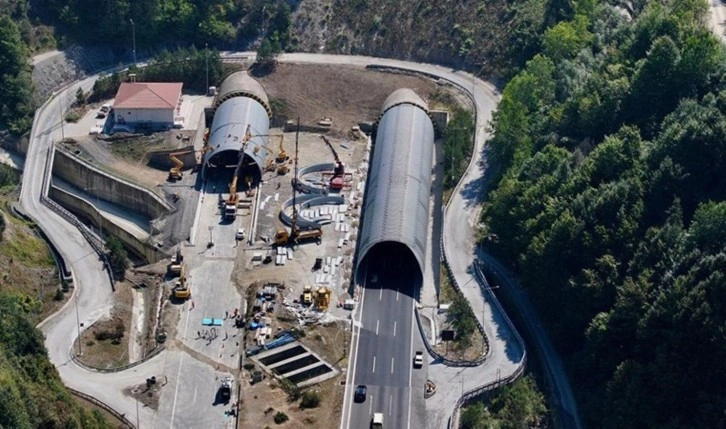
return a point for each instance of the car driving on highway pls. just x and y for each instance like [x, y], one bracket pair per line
[360, 393]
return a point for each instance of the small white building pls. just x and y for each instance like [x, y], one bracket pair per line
[147, 105]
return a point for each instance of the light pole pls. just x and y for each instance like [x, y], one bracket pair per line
[206, 67]
[133, 38]
[78, 321]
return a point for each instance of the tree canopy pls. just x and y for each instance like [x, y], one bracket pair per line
[610, 202]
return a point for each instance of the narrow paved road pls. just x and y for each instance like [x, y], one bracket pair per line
[92, 295]
[717, 20]
[93, 292]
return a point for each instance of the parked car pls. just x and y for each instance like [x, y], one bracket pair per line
[418, 359]
[240, 234]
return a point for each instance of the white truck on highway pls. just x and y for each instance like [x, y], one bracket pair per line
[377, 422]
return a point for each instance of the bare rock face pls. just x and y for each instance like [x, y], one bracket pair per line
[52, 70]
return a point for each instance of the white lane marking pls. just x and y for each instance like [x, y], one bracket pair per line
[398, 293]
[410, 373]
[394, 328]
[370, 405]
[392, 365]
[178, 374]
[390, 405]
[374, 364]
[354, 360]
[194, 401]
[377, 322]
[380, 295]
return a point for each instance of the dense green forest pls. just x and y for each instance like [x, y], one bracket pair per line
[609, 202]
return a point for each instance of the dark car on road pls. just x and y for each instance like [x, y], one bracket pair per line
[360, 394]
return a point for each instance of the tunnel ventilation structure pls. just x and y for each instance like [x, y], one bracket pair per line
[241, 102]
[396, 210]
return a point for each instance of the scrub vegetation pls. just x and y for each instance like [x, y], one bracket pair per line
[31, 392]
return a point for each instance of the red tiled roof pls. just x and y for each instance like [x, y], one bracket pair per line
[148, 95]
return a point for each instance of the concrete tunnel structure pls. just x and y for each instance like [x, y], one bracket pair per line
[396, 209]
[241, 101]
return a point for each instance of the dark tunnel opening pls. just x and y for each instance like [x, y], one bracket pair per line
[390, 264]
[223, 164]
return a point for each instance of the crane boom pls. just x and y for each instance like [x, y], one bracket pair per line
[230, 208]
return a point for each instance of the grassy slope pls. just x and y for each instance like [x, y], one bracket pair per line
[31, 393]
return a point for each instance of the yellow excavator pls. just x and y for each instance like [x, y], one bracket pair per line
[230, 206]
[175, 171]
[182, 289]
[281, 155]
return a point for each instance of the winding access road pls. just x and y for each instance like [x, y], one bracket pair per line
[93, 293]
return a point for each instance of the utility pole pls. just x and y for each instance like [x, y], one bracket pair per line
[133, 38]
[60, 108]
[206, 66]
[78, 321]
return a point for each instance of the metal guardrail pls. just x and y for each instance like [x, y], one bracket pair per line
[473, 393]
[95, 243]
[127, 423]
[155, 351]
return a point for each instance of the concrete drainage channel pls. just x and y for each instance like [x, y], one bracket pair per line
[297, 363]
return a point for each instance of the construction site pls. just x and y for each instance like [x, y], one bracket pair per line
[248, 232]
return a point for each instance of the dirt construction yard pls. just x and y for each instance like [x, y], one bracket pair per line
[347, 95]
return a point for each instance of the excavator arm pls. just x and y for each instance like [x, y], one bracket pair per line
[175, 171]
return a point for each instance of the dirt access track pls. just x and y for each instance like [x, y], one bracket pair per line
[346, 94]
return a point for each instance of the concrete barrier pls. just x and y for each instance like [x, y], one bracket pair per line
[86, 211]
[83, 175]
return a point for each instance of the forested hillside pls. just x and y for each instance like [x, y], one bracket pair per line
[31, 393]
[611, 150]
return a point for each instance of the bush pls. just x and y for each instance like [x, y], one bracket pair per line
[280, 418]
[117, 256]
[293, 392]
[8, 175]
[72, 116]
[58, 294]
[310, 399]
[462, 319]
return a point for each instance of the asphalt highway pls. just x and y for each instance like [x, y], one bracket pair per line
[386, 339]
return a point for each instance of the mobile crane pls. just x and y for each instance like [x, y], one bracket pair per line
[336, 182]
[230, 206]
[296, 235]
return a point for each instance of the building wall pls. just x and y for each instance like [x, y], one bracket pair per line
[155, 116]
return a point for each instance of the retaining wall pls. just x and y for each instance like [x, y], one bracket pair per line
[85, 210]
[83, 175]
[160, 158]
